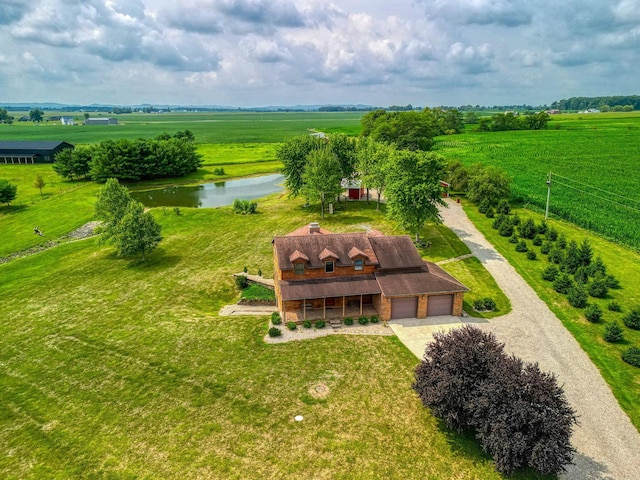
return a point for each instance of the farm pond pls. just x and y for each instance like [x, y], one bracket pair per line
[208, 195]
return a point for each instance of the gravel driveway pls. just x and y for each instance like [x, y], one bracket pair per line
[608, 445]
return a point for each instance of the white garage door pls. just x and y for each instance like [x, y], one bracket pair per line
[405, 307]
[439, 305]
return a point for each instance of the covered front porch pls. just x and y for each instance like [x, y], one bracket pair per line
[328, 308]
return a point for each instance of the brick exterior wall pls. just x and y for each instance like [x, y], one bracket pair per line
[422, 306]
[458, 299]
[320, 273]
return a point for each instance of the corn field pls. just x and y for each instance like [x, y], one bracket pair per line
[595, 163]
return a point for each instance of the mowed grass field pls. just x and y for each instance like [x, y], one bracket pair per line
[221, 127]
[597, 154]
[118, 369]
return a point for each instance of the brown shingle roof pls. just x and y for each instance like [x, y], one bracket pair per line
[428, 280]
[396, 252]
[331, 287]
[314, 245]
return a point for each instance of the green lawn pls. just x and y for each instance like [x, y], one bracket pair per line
[118, 369]
[473, 274]
[622, 262]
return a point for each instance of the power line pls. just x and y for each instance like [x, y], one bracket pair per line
[600, 197]
[596, 188]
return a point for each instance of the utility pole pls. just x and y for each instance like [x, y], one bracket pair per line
[546, 212]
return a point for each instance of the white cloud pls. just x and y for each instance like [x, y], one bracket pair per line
[252, 52]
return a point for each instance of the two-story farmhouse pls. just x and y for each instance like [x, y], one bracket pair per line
[319, 274]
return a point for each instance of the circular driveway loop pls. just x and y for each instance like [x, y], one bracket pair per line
[607, 444]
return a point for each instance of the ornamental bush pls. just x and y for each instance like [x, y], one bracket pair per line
[245, 207]
[537, 241]
[468, 382]
[292, 325]
[613, 333]
[577, 296]
[275, 318]
[521, 246]
[348, 321]
[632, 356]
[612, 282]
[374, 319]
[632, 319]
[542, 227]
[274, 332]
[561, 242]
[563, 283]
[320, 324]
[550, 273]
[556, 256]
[531, 255]
[593, 313]
[614, 306]
[503, 207]
[527, 228]
[241, 282]
[513, 238]
[552, 234]
[484, 206]
[363, 320]
[306, 324]
[545, 248]
[598, 288]
[506, 229]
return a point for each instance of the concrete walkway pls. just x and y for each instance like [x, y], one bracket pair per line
[415, 333]
[608, 445]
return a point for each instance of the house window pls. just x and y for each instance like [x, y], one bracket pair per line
[298, 268]
[328, 267]
[358, 264]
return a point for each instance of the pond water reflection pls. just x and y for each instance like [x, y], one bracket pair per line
[208, 195]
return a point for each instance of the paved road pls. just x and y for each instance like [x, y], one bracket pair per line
[608, 445]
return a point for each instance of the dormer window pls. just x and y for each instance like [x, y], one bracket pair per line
[328, 266]
[358, 264]
[298, 268]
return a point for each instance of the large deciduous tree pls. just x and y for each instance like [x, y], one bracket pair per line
[126, 225]
[322, 176]
[8, 191]
[137, 232]
[413, 189]
[488, 184]
[111, 205]
[36, 115]
[73, 163]
[372, 157]
[293, 155]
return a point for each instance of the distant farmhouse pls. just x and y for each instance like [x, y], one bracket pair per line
[101, 121]
[30, 152]
[67, 121]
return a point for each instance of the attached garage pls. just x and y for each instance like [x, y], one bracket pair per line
[404, 307]
[439, 305]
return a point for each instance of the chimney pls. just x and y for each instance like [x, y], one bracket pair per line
[314, 227]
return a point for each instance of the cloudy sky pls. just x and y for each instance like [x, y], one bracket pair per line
[287, 52]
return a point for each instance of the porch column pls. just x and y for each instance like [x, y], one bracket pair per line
[304, 309]
[284, 311]
[360, 304]
[344, 302]
[324, 307]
